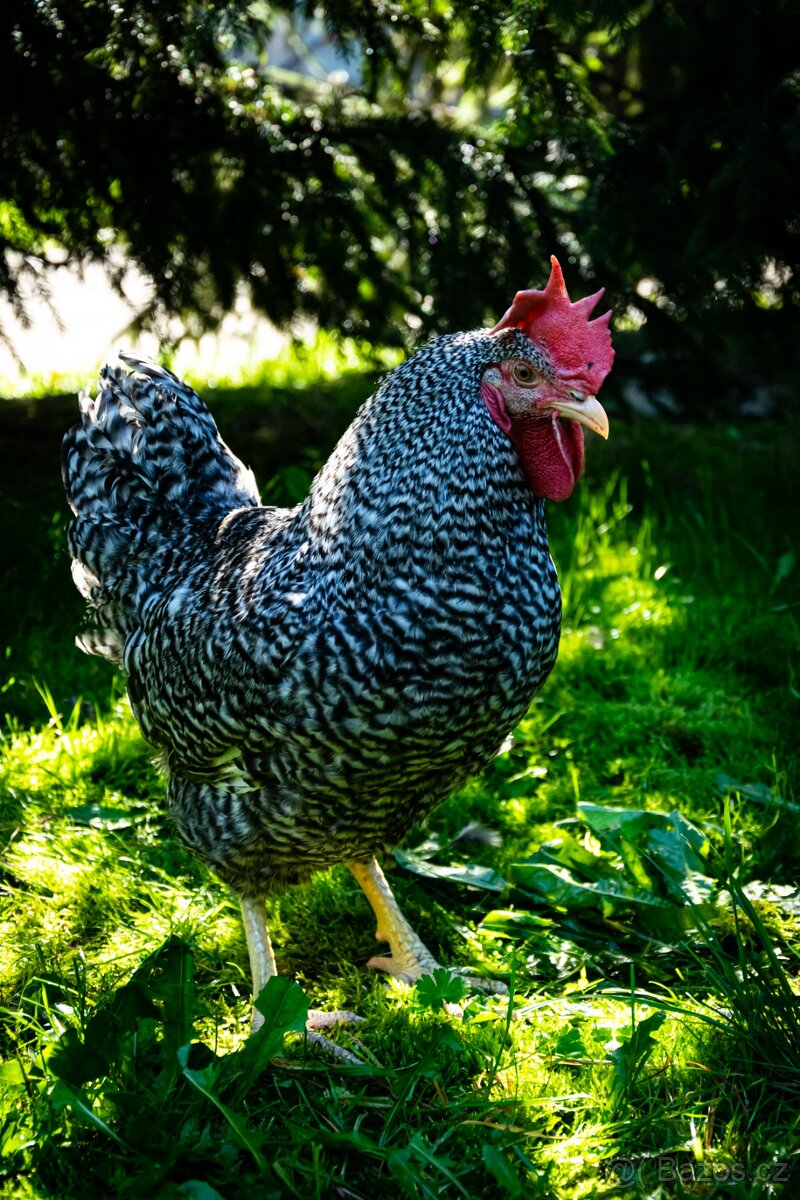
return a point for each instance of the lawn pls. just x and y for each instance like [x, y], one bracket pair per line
[628, 866]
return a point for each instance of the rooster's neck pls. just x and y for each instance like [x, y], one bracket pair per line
[423, 481]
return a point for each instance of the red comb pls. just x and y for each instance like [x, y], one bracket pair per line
[579, 349]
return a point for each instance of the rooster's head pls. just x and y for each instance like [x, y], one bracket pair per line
[543, 397]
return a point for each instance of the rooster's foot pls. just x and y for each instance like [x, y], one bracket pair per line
[319, 1019]
[262, 964]
[479, 983]
[410, 958]
[410, 970]
[331, 1049]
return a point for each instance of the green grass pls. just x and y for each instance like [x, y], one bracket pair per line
[634, 880]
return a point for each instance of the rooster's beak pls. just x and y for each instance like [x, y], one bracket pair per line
[586, 409]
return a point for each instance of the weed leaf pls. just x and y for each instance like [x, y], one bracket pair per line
[440, 988]
[464, 873]
[498, 1166]
[570, 1045]
[198, 1189]
[632, 1054]
[171, 981]
[65, 1096]
[205, 1081]
[284, 1007]
[77, 1062]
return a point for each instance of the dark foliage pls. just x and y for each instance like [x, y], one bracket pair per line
[642, 141]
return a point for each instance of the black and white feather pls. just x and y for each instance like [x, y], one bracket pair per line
[318, 678]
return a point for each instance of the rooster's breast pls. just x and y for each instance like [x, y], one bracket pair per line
[388, 704]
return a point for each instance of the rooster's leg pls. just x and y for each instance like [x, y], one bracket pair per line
[259, 947]
[410, 957]
[262, 967]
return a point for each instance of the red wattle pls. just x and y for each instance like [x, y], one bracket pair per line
[550, 450]
[550, 454]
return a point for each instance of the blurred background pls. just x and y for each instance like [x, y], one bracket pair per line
[385, 171]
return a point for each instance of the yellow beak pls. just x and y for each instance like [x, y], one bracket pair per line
[586, 409]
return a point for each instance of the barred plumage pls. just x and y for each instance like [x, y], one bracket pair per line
[317, 679]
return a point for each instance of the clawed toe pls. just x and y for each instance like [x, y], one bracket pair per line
[318, 1019]
[491, 987]
[410, 958]
[407, 970]
[320, 1042]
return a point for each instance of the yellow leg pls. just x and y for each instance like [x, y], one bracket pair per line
[410, 956]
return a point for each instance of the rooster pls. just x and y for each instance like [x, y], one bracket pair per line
[317, 679]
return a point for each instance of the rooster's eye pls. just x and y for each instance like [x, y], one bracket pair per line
[524, 373]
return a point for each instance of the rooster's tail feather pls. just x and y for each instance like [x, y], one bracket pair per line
[145, 472]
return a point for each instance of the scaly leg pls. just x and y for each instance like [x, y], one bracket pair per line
[262, 967]
[410, 957]
[259, 947]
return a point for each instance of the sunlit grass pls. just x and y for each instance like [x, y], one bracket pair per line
[626, 1041]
